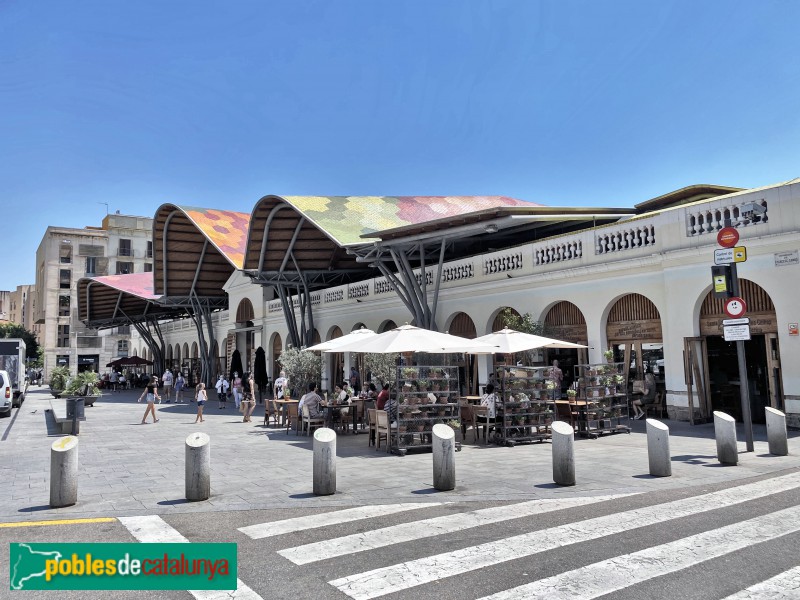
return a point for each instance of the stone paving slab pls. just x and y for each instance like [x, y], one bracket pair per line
[127, 468]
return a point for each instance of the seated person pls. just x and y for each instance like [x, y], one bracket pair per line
[383, 396]
[489, 400]
[648, 397]
[312, 401]
[372, 392]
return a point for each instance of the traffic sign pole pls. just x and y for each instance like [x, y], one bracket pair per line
[744, 386]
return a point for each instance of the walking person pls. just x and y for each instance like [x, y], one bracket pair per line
[151, 392]
[222, 386]
[236, 384]
[201, 396]
[166, 380]
[180, 385]
[248, 398]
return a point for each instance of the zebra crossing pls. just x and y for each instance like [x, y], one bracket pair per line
[763, 515]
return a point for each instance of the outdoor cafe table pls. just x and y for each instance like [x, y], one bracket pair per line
[471, 399]
[330, 407]
[284, 402]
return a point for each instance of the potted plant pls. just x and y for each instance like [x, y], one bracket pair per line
[609, 355]
[572, 394]
[58, 380]
[83, 385]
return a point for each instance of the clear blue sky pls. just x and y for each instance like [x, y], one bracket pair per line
[215, 104]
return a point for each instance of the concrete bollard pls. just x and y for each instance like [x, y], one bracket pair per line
[563, 453]
[725, 432]
[776, 432]
[324, 462]
[64, 472]
[198, 467]
[658, 448]
[444, 457]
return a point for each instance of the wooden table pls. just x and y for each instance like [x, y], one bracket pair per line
[329, 408]
[471, 399]
[284, 402]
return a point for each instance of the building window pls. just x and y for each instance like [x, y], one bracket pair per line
[124, 268]
[65, 278]
[122, 330]
[65, 254]
[63, 306]
[149, 250]
[91, 266]
[122, 348]
[148, 267]
[125, 248]
[62, 341]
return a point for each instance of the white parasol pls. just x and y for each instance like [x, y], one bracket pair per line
[359, 335]
[510, 341]
[408, 338]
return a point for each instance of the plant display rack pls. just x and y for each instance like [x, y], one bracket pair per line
[602, 399]
[524, 408]
[426, 396]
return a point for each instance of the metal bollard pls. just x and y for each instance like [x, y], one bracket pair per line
[64, 472]
[324, 462]
[725, 432]
[563, 453]
[198, 467]
[777, 438]
[658, 448]
[444, 457]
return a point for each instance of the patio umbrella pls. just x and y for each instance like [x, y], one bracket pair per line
[510, 341]
[130, 361]
[354, 336]
[408, 338]
[260, 371]
[236, 364]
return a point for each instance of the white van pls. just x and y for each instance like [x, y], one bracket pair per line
[6, 394]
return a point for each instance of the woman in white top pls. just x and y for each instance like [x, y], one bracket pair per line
[488, 400]
[201, 396]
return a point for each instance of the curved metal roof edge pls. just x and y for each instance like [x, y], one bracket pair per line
[111, 282]
[185, 210]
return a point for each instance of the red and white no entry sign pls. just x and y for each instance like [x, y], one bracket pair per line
[735, 307]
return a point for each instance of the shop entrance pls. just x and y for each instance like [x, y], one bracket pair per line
[565, 321]
[761, 352]
[723, 369]
[634, 334]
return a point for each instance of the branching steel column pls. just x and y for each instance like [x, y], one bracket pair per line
[397, 284]
[288, 315]
[438, 281]
[407, 276]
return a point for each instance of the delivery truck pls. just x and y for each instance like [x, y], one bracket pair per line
[12, 361]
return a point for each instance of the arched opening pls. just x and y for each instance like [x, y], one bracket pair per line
[498, 322]
[387, 325]
[336, 360]
[176, 359]
[633, 330]
[277, 348]
[565, 321]
[462, 325]
[246, 338]
[721, 366]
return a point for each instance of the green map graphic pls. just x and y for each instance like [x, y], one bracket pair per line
[27, 563]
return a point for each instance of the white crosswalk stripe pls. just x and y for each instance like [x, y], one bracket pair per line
[406, 532]
[785, 586]
[153, 529]
[593, 581]
[399, 577]
[336, 517]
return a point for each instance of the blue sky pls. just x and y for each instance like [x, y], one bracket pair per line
[562, 102]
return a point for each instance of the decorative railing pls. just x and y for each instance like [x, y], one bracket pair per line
[428, 277]
[627, 237]
[710, 219]
[358, 290]
[458, 272]
[335, 295]
[503, 263]
[274, 306]
[554, 252]
[382, 286]
[316, 299]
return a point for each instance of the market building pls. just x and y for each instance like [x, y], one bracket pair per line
[634, 280]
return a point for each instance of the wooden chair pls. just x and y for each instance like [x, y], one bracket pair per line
[372, 425]
[309, 421]
[566, 413]
[292, 418]
[382, 429]
[467, 420]
[657, 406]
[480, 411]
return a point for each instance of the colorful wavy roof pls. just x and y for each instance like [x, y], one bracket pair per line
[226, 229]
[136, 284]
[347, 218]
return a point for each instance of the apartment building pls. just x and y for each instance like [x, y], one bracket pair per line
[121, 244]
[21, 308]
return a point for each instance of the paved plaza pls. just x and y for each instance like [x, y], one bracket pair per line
[131, 469]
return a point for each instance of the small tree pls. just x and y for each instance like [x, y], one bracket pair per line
[302, 367]
[383, 368]
[526, 324]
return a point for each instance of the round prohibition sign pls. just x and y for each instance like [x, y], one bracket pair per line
[735, 307]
